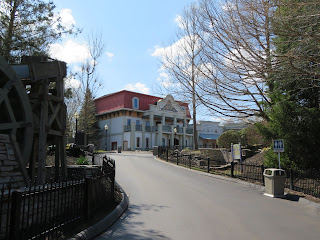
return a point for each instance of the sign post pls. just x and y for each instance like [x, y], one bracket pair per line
[236, 153]
[278, 146]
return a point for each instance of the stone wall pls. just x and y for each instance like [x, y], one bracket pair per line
[9, 167]
[216, 154]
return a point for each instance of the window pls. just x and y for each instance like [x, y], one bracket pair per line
[129, 122]
[135, 103]
[138, 122]
[147, 123]
[138, 142]
[147, 142]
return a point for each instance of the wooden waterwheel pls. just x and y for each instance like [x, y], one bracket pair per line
[16, 118]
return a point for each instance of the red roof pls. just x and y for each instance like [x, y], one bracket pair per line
[123, 99]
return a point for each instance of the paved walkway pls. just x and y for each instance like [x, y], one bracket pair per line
[169, 202]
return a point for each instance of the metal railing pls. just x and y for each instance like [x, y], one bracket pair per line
[189, 130]
[139, 128]
[127, 128]
[166, 128]
[306, 181]
[53, 209]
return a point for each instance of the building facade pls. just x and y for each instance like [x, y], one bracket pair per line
[208, 133]
[139, 121]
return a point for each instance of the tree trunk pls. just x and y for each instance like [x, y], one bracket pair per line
[9, 34]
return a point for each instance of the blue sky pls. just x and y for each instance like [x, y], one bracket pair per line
[131, 29]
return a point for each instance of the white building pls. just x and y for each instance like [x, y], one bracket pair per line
[139, 121]
[208, 133]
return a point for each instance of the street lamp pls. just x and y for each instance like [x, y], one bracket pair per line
[106, 128]
[175, 135]
[76, 116]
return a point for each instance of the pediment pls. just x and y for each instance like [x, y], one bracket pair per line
[169, 107]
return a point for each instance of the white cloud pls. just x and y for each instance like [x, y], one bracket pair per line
[179, 21]
[137, 87]
[67, 19]
[110, 56]
[72, 83]
[69, 51]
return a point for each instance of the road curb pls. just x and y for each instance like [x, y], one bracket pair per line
[314, 205]
[98, 228]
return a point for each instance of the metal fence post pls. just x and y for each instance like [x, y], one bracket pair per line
[291, 179]
[208, 170]
[87, 197]
[167, 154]
[16, 202]
[190, 161]
[262, 171]
[113, 180]
[177, 158]
[232, 169]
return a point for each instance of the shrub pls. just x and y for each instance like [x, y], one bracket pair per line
[82, 161]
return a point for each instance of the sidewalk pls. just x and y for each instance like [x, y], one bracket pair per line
[106, 222]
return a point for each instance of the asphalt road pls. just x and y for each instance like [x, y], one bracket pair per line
[169, 202]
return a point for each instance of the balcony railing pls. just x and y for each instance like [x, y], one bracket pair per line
[138, 127]
[127, 128]
[189, 130]
[166, 128]
[148, 129]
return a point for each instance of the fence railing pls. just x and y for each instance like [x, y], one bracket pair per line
[307, 182]
[51, 210]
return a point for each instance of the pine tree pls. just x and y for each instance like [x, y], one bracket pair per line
[295, 113]
[27, 27]
[88, 119]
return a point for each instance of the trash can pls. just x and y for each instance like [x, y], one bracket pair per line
[155, 151]
[274, 180]
[119, 149]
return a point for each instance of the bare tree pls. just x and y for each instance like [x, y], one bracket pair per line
[236, 39]
[89, 79]
[181, 63]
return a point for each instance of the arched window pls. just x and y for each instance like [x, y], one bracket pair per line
[147, 142]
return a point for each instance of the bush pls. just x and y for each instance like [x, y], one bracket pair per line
[82, 161]
[228, 137]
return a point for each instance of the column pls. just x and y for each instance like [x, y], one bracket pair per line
[133, 136]
[143, 137]
[184, 136]
[151, 119]
[185, 121]
[172, 137]
[151, 122]
[159, 135]
[174, 121]
[163, 120]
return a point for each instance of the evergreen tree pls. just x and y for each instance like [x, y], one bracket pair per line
[295, 113]
[27, 27]
[88, 119]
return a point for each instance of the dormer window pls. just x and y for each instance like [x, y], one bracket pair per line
[135, 103]
[183, 108]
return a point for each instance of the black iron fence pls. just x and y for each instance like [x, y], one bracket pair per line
[53, 209]
[307, 182]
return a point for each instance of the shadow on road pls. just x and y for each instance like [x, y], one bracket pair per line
[127, 227]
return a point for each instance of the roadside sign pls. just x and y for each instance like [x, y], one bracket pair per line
[236, 151]
[278, 145]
